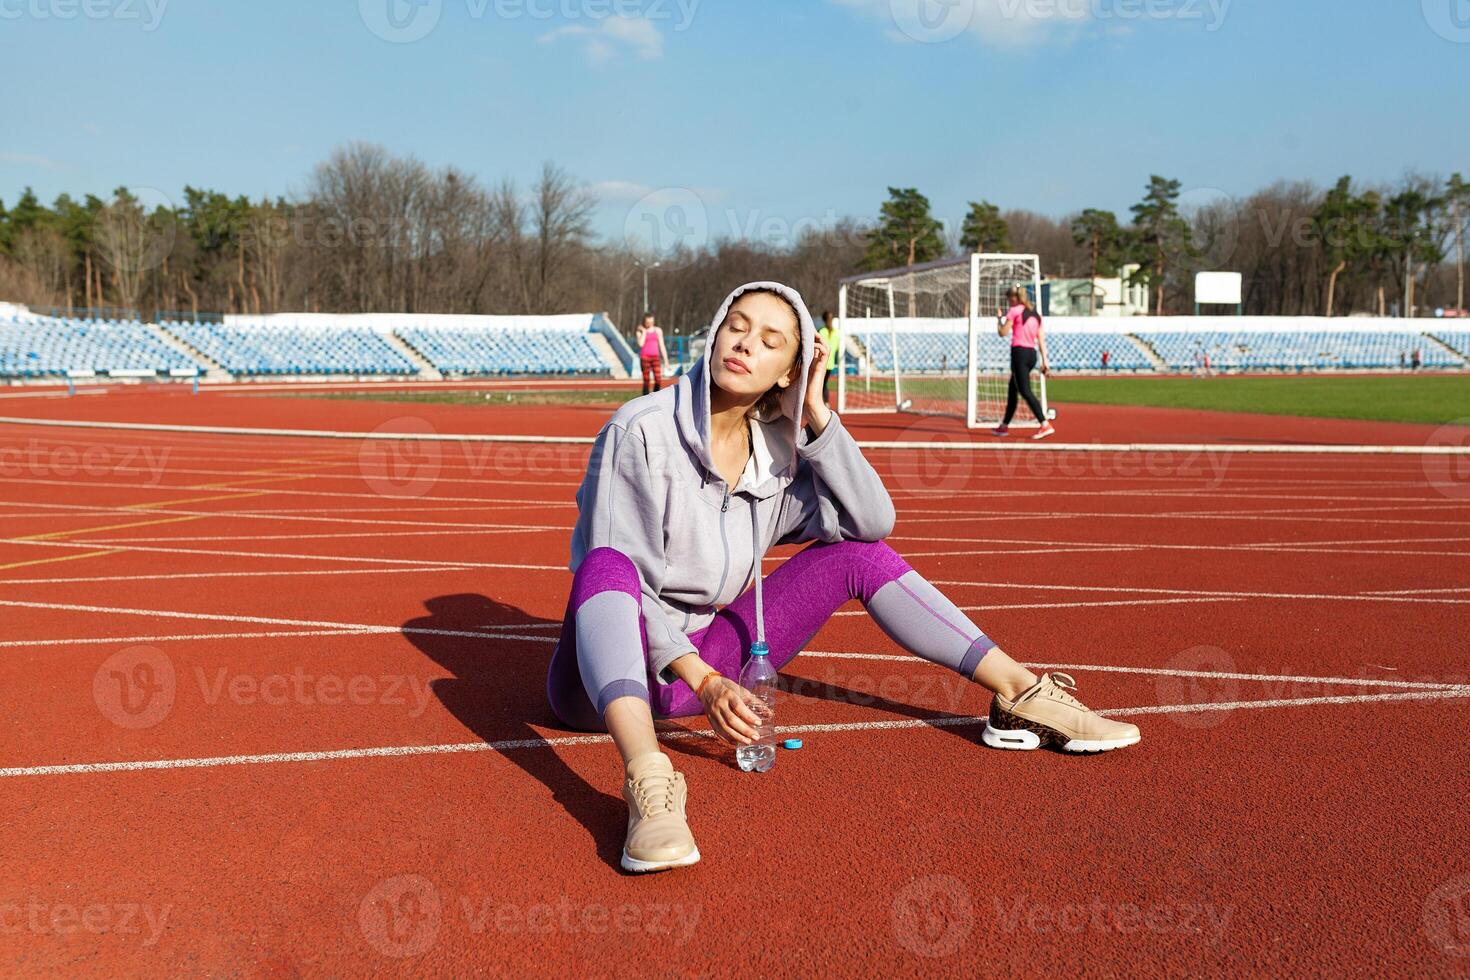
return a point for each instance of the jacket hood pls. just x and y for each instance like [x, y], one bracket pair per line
[777, 456]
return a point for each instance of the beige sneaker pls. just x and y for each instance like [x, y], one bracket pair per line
[658, 835]
[1045, 714]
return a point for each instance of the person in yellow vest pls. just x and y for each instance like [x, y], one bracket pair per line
[832, 337]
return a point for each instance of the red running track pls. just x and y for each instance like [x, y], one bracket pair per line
[303, 680]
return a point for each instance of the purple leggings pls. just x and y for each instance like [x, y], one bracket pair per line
[800, 597]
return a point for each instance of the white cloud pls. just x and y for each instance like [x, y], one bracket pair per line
[33, 160]
[603, 39]
[629, 192]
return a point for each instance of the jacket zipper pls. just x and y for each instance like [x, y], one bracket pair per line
[724, 545]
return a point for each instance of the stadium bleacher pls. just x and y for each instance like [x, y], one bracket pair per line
[1296, 350]
[41, 347]
[1458, 339]
[34, 346]
[498, 351]
[945, 352]
[271, 349]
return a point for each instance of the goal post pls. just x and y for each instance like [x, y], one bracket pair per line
[922, 338]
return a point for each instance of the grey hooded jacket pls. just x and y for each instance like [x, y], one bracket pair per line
[652, 492]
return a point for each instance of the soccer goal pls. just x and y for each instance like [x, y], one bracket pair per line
[923, 338]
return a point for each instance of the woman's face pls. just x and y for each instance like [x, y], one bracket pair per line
[757, 346]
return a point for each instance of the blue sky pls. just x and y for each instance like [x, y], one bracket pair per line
[731, 116]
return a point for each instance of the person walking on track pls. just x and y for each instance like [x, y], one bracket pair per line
[1023, 325]
[652, 354]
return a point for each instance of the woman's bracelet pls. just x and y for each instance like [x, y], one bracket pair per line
[699, 691]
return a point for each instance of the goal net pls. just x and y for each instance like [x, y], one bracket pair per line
[923, 338]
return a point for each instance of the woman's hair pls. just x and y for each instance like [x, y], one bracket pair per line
[770, 402]
[1018, 295]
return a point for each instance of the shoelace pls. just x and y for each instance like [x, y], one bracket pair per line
[655, 793]
[1060, 684]
[1064, 683]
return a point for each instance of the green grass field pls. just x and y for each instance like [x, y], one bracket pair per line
[1434, 399]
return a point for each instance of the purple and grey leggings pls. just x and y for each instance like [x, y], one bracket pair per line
[603, 650]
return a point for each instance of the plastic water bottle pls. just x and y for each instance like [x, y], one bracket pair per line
[759, 678]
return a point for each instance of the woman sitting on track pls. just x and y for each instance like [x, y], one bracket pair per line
[1023, 325]
[685, 491]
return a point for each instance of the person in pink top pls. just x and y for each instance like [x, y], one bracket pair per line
[1023, 325]
[652, 354]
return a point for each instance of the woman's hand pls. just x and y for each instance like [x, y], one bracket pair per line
[814, 411]
[1045, 368]
[730, 710]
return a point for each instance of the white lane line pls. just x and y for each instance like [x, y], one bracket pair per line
[1299, 680]
[159, 549]
[103, 640]
[265, 620]
[509, 745]
[243, 491]
[1213, 593]
[197, 575]
[1075, 605]
[81, 510]
[439, 532]
[976, 447]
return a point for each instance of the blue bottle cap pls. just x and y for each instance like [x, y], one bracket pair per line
[791, 743]
[759, 649]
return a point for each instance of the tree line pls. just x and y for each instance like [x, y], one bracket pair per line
[372, 231]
